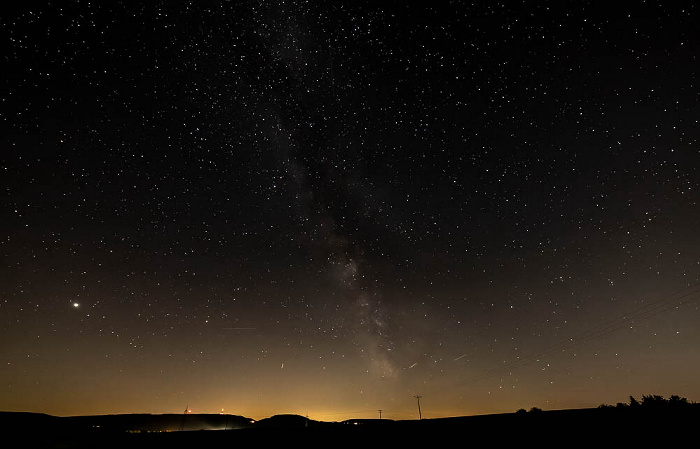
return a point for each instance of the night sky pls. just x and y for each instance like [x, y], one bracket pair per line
[328, 208]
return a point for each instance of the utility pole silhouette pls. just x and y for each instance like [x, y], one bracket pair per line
[182, 424]
[418, 397]
[380, 414]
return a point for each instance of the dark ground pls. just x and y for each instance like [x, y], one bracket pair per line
[600, 427]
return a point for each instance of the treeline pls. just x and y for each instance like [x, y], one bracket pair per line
[648, 402]
[652, 401]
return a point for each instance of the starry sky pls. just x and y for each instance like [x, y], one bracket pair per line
[329, 208]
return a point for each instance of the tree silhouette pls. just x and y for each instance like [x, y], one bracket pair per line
[678, 401]
[652, 401]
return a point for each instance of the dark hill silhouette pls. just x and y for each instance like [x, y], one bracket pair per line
[159, 423]
[287, 421]
[653, 420]
[369, 422]
[142, 422]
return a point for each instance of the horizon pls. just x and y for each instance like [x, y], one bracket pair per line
[381, 416]
[386, 414]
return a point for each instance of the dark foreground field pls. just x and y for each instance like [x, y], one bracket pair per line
[600, 427]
